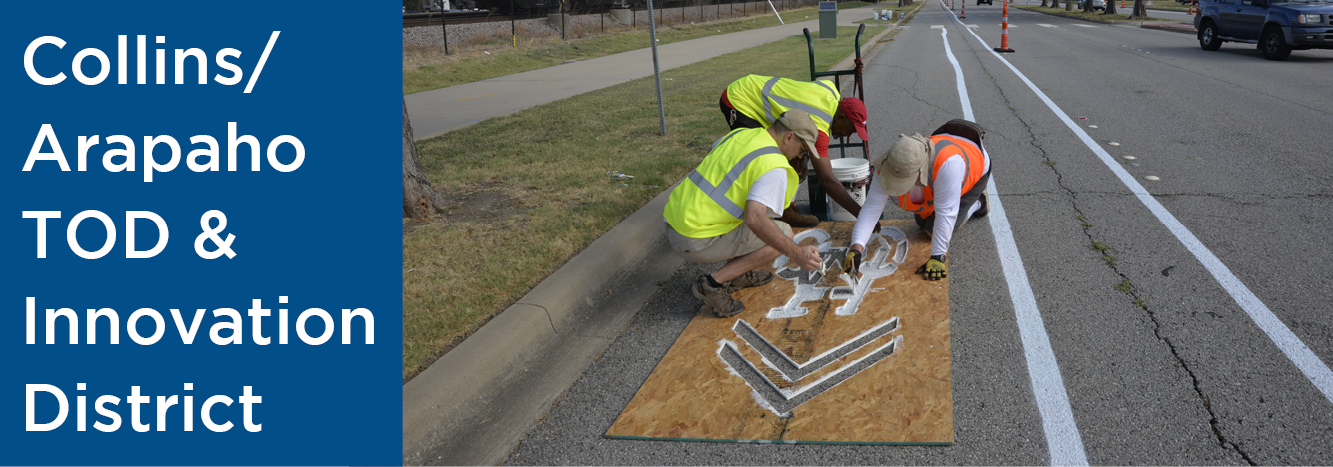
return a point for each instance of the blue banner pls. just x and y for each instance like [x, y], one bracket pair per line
[201, 233]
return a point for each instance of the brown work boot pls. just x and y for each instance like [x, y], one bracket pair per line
[753, 278]
[795, 219]
[717, 300]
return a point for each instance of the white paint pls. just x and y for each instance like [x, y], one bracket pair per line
[790, 393]
[878, 266]
[1314, 369]
[1057, 417]
[820, 237]
[1151, 178]
[970, 26]
[807, 290]
[1044, 25]
[893, 322]
[1085, 25]
[958, 71]
[754, 393]
[937, 26]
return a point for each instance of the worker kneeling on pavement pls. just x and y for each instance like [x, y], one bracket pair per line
[724, 209]
[753, 101]
[941, 178]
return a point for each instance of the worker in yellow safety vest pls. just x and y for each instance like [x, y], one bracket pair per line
[941, 179]
[753, 101]
[724, 209]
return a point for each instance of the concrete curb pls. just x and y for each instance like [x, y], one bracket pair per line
[1188, 29]
[472, 406]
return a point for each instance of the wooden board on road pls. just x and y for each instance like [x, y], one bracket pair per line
[877, 372]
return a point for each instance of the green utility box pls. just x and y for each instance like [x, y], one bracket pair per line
[828, 20]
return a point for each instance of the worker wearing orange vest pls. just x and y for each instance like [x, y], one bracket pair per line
[724, 209]
[753, 101]
[942, 179]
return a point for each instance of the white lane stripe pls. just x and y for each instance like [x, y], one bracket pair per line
[1085, 25]
[1048, 388]
[1044, 25]
[958, 71]
[1300, 355]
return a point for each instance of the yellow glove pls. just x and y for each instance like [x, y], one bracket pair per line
[852, 262]
[934, 269]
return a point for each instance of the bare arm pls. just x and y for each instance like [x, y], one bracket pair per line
[824, 169]
[756, 218]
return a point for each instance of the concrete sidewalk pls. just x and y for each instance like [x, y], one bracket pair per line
[474, 404]
[442, 110]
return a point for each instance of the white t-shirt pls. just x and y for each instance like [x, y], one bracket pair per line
[770, 190]
[948, 187]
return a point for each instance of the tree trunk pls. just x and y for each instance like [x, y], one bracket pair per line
[1055, 3]
[1140, 10]
[1045, 3]
[419, 198]
[1087, 6]
[1110, 8]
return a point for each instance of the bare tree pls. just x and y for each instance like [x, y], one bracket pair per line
[419, 198]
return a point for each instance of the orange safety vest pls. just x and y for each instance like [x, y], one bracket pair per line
[946, 147]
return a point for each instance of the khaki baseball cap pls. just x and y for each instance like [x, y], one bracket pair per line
[904, 164]
[803, 125]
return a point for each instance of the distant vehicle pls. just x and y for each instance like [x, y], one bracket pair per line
[1276, 26]
[1096, 4]
[988, 2]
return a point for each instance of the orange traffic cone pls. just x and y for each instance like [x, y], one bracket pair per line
[1191, 9]
[1004, 31]
[964, 14]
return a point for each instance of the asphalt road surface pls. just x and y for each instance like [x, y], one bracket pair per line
[1215, 347]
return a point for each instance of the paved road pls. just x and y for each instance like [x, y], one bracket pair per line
[1217, 355]
[442, 110]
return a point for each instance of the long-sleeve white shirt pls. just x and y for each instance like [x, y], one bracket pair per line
[948, 187]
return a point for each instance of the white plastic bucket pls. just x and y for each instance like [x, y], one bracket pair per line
[854, 174]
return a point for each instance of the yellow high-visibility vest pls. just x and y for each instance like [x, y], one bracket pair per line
[765, 98]
[711, 199]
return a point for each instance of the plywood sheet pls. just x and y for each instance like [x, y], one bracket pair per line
[877, 372]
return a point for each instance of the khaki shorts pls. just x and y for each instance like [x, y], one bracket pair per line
[738, 242]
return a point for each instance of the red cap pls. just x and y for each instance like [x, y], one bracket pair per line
[855, 110]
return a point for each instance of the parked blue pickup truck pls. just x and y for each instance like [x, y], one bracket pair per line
[1276, 26]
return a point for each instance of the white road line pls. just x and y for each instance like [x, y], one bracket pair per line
[1085, 25]
[937, 26]
[1044, 25]
[971, 25]
[1300, 355]
[1048, 388]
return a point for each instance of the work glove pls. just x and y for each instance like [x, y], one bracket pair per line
[934, 269]
[852, 262]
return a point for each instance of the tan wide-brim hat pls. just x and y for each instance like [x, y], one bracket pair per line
[904, 164]
[803, 125]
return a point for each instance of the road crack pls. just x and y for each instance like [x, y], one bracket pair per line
[1127, 287]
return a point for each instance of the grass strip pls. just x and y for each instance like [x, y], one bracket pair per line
[426, 68]
[1079, 14]
[531, 189]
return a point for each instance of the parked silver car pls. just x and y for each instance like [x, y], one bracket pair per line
[1096, 4]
